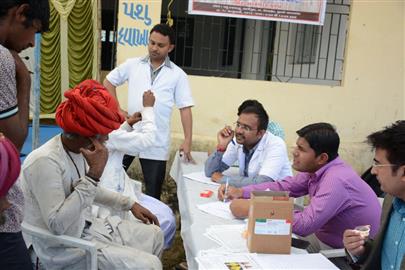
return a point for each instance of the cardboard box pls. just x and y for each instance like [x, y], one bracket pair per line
[270, 222]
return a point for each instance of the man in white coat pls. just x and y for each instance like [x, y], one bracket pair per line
[261, 155]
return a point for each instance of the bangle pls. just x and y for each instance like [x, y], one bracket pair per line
[220, 148]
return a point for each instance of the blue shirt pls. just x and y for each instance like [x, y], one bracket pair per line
[393, 248]
[248, 157]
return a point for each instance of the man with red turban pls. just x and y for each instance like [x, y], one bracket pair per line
[60, 183]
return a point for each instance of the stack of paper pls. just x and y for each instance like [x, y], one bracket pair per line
[229, 237]
[243, 261]
[217, 208]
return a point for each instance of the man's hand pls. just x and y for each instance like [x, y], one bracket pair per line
[185, 152]
[240, 208]
[354, 242]
[144, 214]
[216, 177]
[135, 118]
[148, 99]
[232, 193]
[123, 112]
[96, 158]
[224, 136]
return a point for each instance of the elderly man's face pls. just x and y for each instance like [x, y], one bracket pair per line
[100, 138]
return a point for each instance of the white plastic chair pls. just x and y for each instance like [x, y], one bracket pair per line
[34, 232]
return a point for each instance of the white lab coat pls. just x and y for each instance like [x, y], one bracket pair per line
[269, 159]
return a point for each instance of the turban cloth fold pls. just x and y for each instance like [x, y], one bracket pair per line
[88, 110]
[10, 165]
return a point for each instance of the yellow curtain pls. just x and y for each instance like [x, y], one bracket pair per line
[64, 7]
[80, 42]
[50, 65]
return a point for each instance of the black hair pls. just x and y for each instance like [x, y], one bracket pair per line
[37, 10]
[254, 106]
[165, 30]
[322, 138]
[392, 140]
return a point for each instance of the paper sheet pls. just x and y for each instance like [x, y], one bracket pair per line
[217, 208]
[200, 177]
[228, 236]
[315, 261]
[228, 262]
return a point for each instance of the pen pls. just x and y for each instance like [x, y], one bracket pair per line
[233, 141]
[226, 188]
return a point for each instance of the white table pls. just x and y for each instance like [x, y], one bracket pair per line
[193, 221]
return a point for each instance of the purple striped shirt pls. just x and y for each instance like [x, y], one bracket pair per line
[339, 200]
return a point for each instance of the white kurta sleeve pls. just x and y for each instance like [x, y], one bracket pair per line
[137, 140]
[113, 199]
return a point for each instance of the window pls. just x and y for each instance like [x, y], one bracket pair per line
[261, 50]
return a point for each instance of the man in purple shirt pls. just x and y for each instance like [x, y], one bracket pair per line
[339, 198]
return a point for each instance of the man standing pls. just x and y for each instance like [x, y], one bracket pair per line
[262, 156]
[19, 21]
[170, 86]
[387, 249]
[60, 181]
[339, 198]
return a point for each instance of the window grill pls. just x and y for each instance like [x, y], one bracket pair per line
[261, 50]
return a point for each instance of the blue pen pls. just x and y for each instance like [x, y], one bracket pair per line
[226, 188]
[233, 141]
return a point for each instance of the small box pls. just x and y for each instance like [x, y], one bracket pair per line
[270, 222]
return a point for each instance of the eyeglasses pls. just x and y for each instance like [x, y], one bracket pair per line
[244, 127]
[377, 165]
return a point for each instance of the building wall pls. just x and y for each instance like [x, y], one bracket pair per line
[371, 95]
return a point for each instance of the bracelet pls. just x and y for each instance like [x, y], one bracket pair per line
[221, 149]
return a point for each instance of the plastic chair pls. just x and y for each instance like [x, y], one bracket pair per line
[33, 232]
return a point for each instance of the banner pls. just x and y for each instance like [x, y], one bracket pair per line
[296, 11]
[135, 20]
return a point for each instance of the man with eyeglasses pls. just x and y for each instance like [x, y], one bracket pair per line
[339, 198]
[387, 249]
[262, 156]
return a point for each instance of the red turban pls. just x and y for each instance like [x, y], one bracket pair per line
[10, 165]
[88, 110]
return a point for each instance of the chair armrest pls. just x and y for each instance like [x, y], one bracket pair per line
[333, 253]
[64, 240]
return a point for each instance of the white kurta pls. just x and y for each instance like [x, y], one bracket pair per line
[132, 140]
[59, 200]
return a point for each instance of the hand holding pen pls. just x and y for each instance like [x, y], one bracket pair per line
[226, 189]
[229, 193]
